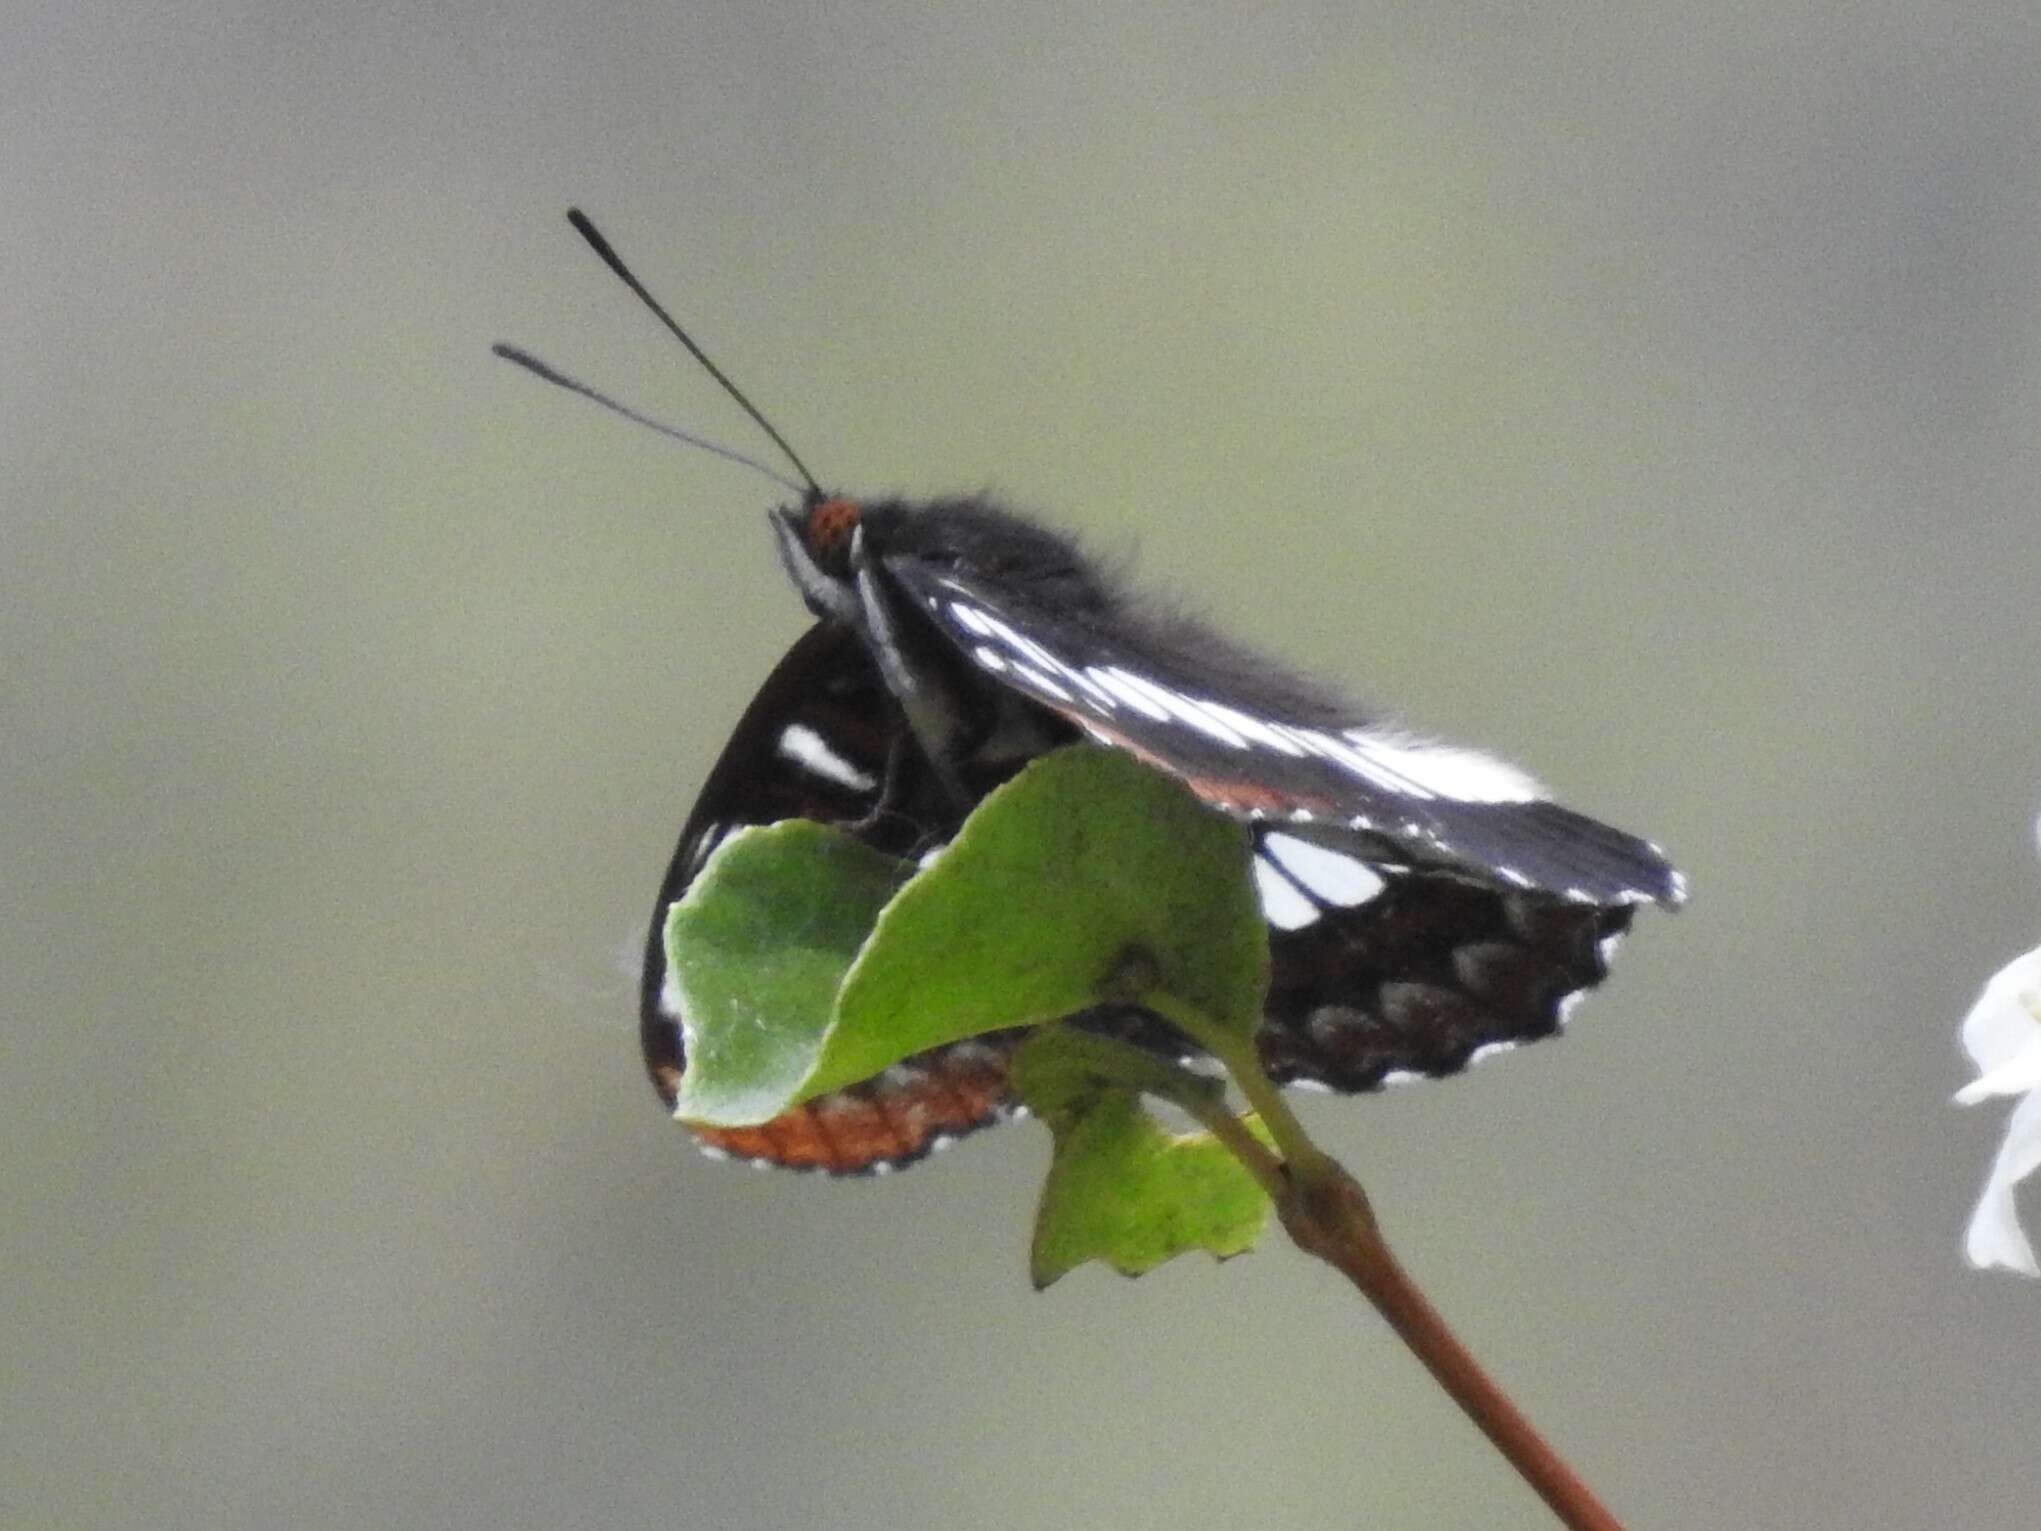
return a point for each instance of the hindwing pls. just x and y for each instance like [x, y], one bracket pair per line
[815, 743]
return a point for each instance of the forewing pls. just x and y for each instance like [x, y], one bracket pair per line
[814, 744]
[1401, 802]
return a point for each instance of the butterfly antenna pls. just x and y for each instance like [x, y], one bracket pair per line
[615, 262]
[537, 368]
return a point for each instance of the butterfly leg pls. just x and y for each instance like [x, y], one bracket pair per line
[920, 672]
[894, 787]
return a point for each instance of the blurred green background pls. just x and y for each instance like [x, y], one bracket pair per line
[1649, 393]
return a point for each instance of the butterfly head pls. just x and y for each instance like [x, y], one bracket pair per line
[817, 537]
[828, 527]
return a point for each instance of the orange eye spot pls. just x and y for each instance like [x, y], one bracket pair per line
[830, 525]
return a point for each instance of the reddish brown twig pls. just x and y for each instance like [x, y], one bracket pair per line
[1326, 1213]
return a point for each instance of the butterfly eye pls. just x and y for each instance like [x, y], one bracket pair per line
[830, 527]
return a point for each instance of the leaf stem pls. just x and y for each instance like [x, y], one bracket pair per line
[1234, 1047]
[1326, 1213]
[1199, 1096]
[1217, 1118]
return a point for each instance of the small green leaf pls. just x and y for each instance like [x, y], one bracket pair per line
[1083, 862]
[1122, 1188]
[758, 949]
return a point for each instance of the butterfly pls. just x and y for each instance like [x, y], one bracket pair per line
[1427, 905]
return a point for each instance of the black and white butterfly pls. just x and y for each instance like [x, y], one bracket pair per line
[1427, 904]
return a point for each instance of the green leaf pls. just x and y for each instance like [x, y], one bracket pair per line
[1085, 863]
[1122, 1188]
[758, 950]
[800, 972]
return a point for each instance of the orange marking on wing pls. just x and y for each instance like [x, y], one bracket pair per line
[893, 1119]
[1247, 794]
[1213, 789]
[1119, 741]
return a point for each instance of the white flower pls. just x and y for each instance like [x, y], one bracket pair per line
[2002, 1034]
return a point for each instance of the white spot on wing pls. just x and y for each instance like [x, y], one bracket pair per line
[1041, 682]
[1336, 878]
[1466, 776]
[712, 837]
[811, 752]
[1115, 682]
[1097, 695]
[1342, 753]
[1253, 728]
[1015, 651]
[1175, 704]
[1023, 644]
[1281, 904]
[971, 619]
